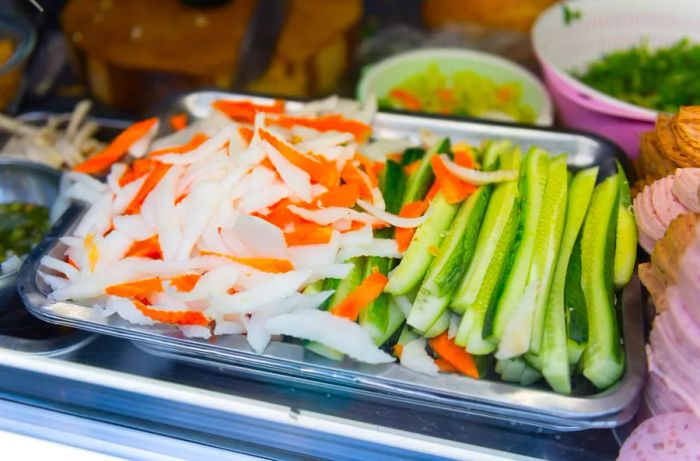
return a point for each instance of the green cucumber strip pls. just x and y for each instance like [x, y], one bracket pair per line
[530, 375]
[574, 351]
[407, 335]
[349, 283]
[497, 215]
[422, 179]
[470, 332]
[626, 238]
[574, 298]
[315, 287]
[441, 324]
[329, 284]
[533, 179]
[377, 312]
[547, 242]
[393, 185]
[410, 271]
[411, 154]
[323, 350]
[603, 361]
[448, 268]
[512, 369]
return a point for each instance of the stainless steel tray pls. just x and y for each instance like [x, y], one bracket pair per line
[536, 407]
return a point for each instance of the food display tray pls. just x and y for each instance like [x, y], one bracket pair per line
[533, 407]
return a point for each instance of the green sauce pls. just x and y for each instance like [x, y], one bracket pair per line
[22, 225]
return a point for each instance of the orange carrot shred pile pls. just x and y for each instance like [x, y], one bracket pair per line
[178, 121]
[174, 317]
[140, 167]
[404, 235]
[353, 175]
[148, 185]
[149, 248]
[342, 196]
[457, 356]
[244, 110]
[117, 149]
[308, 233]
[453, 189]
[185, 282]
[411, 167]
[369, 169]
[136, 289]
[360, 297]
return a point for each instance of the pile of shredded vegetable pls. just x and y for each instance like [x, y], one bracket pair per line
[218, 227]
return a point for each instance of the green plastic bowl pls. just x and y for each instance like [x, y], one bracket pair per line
[382, 77]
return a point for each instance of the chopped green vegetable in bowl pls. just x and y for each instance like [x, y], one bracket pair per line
[466, 93]
[22, 225]
[663, 79]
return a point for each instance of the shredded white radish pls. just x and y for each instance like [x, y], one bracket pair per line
[331, 215]
[414, 357]
[298, 180]
[386, 248]
[260, 238]
[362, 236]
[478, 177]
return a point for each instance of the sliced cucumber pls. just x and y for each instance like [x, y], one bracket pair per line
[410, 271]
[422, 178]
[532, 184]
[626, 239]
[529, 376]
[470, 333]
[555, 356]
[323, 350]
[511, 369]
[441, 325]
[603, 359]
[498, 213]
[407, 335]
[574, 298]
[411, 154]
[376, 314]
[547, 242]
[393, 186]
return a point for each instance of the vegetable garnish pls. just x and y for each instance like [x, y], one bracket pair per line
[244, 111]
[148, 248]
[453, 188]
[139, 289]
[119, 147]
[343, 196]
[272, 265]
[454, 354]
[363, 295]
[178, 121]
[159, 170]
[185, 282]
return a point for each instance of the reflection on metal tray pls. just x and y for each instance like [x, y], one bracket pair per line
[509, 403]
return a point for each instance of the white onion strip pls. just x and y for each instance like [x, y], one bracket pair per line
[477, 177]
[389, 218]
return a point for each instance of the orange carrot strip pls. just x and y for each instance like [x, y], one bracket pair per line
[352, 175]
[117, 149]
[149, 248]
[138, 168]
[456, 355]
[244, 110]
[453, 189]
[342, 196]
[463, 157]
[148, 185]
[309, 234]
[378, 167]
[178, 121]
[185, 282]
[411, 167]
[359, 130]
[403, 235]
[445, 366]
[407, 99]
[192, 144]
[398, 350]
[360, 297]
[246, 133]
[272, 265]
[175, 317]
[136, 289]
[395, 157]
[369, 169]
[70, 261]
[321, 170]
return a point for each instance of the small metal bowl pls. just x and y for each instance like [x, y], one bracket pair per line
[25, 182]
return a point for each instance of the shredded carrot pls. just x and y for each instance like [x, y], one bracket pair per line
[93, 254]
[432, 192]
[321, 170]
[70, 261]
[149, 248]
[378, 167]
[407, 99]
[453, 189]
[117, 149]
[196, 141]
[178, 121]
[175, 317]
[398, 350]
[267, 163]
[368, 165]
[360, 297]
[140, 167]
[272, 265]
[185, 282]
[404, 235]
[244, 110]
[359, 130]
[309, 234]
[353, 175]
[456, 355]
[136, 289]
[463, 156]
[148, 185]
[433, 250]
[396, 157]
[280, 215]
[411, 167]
[246, 133]
[342, 196]
[445, 366]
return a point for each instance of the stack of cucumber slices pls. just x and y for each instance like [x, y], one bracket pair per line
[524, 272]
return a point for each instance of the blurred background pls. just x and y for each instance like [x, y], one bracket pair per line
[134, 56]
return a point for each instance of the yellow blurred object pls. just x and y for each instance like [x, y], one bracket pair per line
[134, 53]
[9, 81]
[501, 14]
